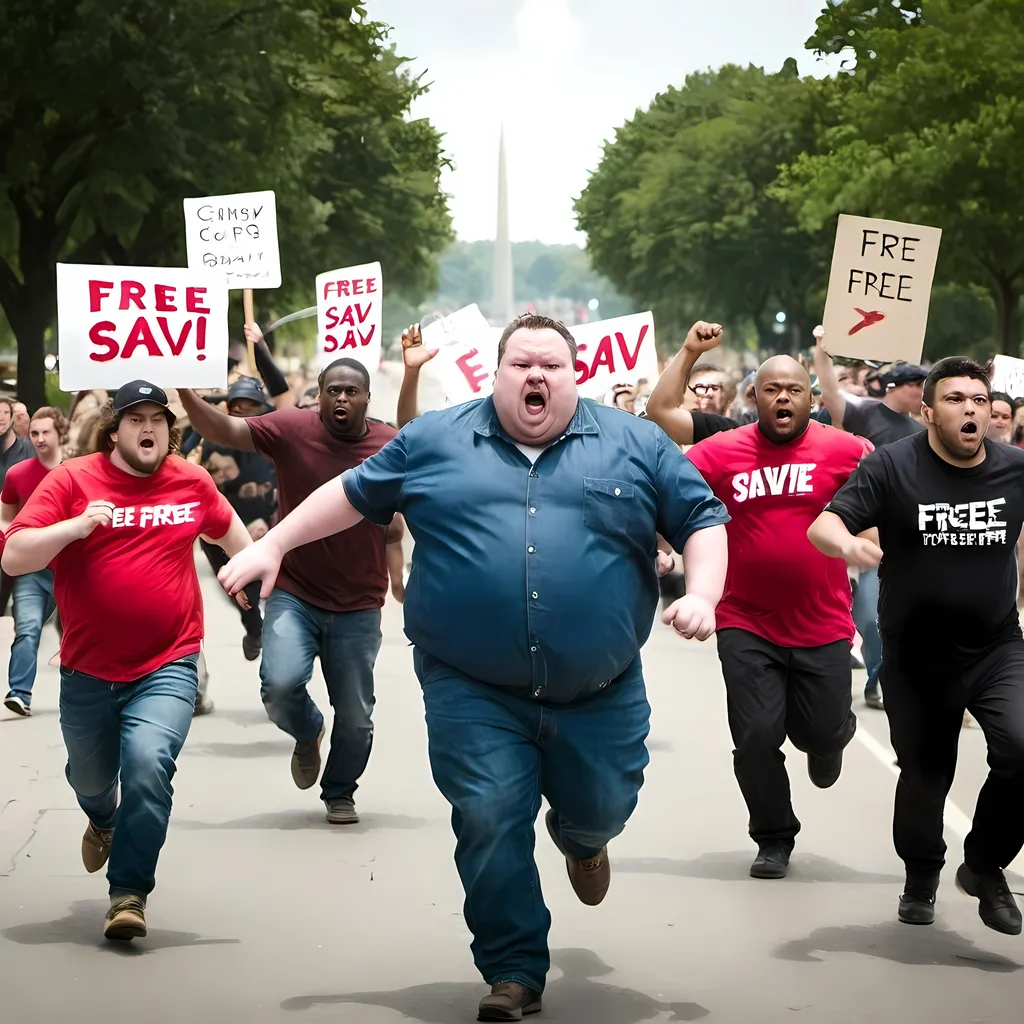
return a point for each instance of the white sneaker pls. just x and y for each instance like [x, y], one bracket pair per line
[17, 705]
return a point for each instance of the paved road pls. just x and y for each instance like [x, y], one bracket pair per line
[264, 913]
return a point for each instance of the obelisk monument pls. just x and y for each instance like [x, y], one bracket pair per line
[502, 298]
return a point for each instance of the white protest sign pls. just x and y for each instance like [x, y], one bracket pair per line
[349, 306]
[464, 325]
[1008, 376]
[465, 370]
[236, 234]
[879, 289]
[164, 324]
[617, 351]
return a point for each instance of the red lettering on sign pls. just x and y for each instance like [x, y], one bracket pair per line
[628, 357]
[605, 355]
[98, 291]
[132, 291]
[97, 337]
[474, 373]
[179, 344]
[193, 298]
[140, 334]
[165, 298]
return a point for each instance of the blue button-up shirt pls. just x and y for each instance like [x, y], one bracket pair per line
[538, 578]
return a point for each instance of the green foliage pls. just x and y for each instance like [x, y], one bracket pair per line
[927, 128]
[680, 215]
[110, 114]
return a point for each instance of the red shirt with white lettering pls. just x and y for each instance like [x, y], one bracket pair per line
[21, 480]
[128, 594]
[779, 586]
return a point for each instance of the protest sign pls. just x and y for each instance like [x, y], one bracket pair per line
[464, 325]
[164, 324]
[237, 235]
[616, 351]
[348, 312]
[1008, 376]
[879, 289]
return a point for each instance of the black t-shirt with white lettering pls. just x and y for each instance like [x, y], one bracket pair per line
[877, 422]
[948, 578]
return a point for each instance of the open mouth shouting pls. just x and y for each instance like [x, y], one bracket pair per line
[783, 416]
[536, 403]
[147, 444]
[969, 430]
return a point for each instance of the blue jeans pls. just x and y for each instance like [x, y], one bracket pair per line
[33, 605]
[135, 731]
[493, 756]
[865, 618]
[294, 633]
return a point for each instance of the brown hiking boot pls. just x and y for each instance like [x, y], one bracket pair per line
[509, 1001]
[342, 811]
[590, 878]
[96, 847]
[126, 918]
[306, 762]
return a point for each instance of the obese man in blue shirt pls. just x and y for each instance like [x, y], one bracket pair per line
[533, 589]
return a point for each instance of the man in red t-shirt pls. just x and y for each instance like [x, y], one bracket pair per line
[329, 594]
[124, 522]
[33, 592]
[785, 624]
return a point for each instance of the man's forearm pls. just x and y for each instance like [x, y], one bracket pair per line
[34, 549]
[213, 425]
[705, 561]
[664, 406]
[325, 512]
[828, 533]
[831, 393]
[408, 396]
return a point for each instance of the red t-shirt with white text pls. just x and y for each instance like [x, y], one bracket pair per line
[779, 586]
[128, 594]
[21, 480]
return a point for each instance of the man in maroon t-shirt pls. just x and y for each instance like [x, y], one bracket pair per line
[329, 594]
[784, 624]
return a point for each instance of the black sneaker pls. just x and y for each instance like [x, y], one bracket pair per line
[917, 904]
[873, 697]
[14, 703]
[772, 861]
[825, 771]
[996, 905]
[252, 645]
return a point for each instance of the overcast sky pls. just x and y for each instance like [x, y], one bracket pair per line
[561, 75]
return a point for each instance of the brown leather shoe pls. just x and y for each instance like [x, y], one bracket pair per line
[590, 878]
[126, 918]
[96, 847]
[306, 762]
[509, 1001]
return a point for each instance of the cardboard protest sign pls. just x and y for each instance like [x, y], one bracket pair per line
[1008, 376]
[879, 289]
[349, 306]
[465, 370]
[617, 351]
[236, 234]
[164, 324]
[464, 325]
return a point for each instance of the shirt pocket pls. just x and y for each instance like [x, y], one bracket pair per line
[610, 507]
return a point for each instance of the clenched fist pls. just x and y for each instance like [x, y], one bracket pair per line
[691, 617]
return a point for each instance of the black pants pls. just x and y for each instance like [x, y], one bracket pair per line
[252, 620]
[925, 705]
[774, 692]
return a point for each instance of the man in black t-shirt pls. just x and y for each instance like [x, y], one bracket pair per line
[948, 505]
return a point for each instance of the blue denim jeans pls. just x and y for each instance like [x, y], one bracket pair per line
[135, 731]
[493, 756]
[294, 633]
[865, 617]
[33, 605]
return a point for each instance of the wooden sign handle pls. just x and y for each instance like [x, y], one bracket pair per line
[250, 318]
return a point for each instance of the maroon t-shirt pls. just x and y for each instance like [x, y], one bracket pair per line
[346, 572]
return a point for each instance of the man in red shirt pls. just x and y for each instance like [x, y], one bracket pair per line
[33, 592]
[329, 594]
[785, 624]
[125, 521]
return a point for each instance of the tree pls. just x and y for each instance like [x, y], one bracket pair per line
[111, 114]
[679, 213]
[927, 124]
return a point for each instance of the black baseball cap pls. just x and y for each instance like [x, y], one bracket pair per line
[247, 387]
[905, 373]
[138, 391]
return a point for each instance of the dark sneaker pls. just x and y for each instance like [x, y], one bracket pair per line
[996, 905]
[917, 904]
[252, 645]
[306, 762]
[96, 847]
[590, 878]
[509, 1001]
[14, 703]
[126, 918]
[873, 697]
[825, 771]
[342, 811]
[203, 706]
[772, 861]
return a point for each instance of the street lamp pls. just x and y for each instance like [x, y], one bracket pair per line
[593, 304]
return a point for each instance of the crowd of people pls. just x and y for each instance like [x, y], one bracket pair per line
[533, 512]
